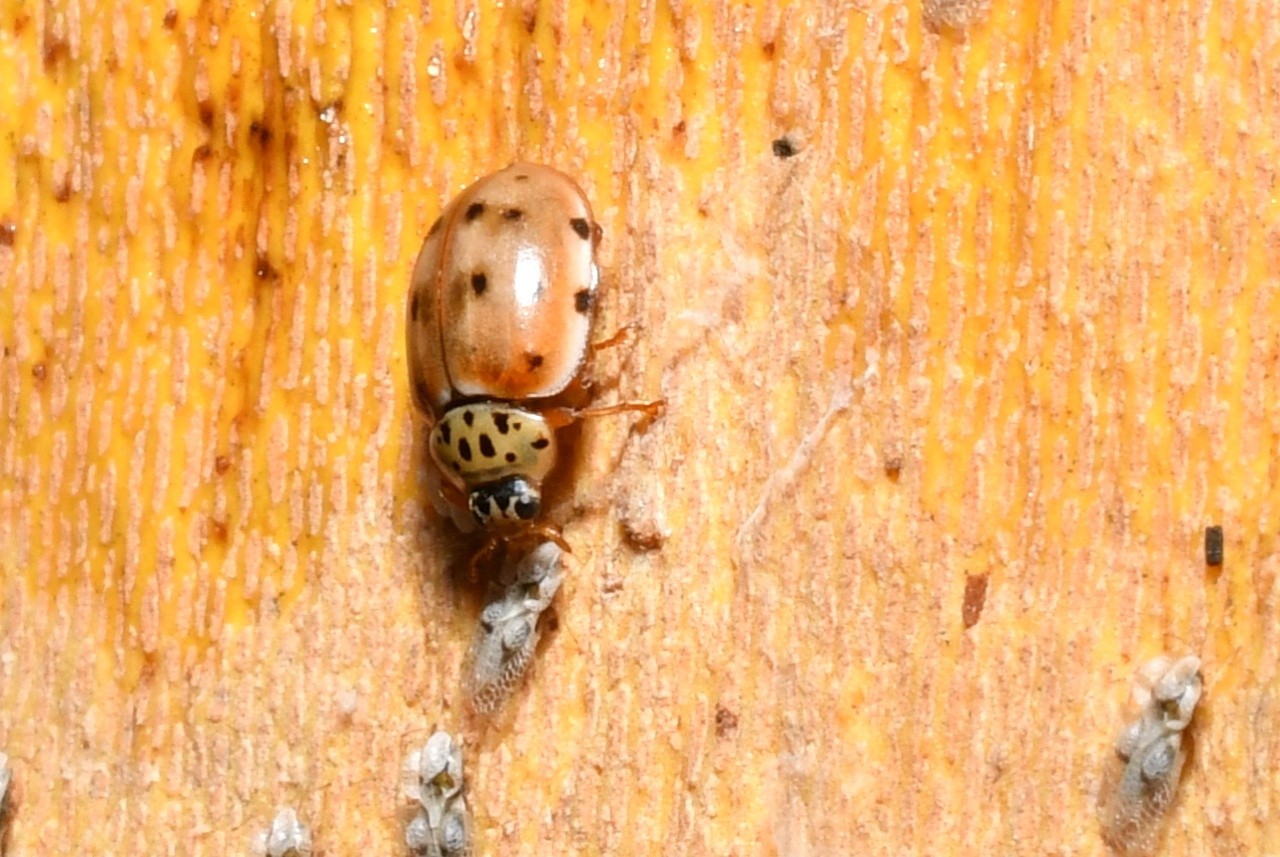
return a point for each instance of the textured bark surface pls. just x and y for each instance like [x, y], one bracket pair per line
[964, 336]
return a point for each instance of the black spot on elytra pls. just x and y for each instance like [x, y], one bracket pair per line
[464, 449]
[486, 446]
[479, 282]
[541, 443]
[526, 509]
[468, 418]
[474, 210]
[784, 148]
[582, 300]
[413, 307]
[516, 426]
[445, 430]
[581, 227]
[512, 213]
[534, 361]
[500, 423]
[435, 227]
[511, 457]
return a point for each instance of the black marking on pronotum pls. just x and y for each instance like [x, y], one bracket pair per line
[413, 307]
[534, 360]
[582, 300]
[512, 213]
[479, 282]
[474, 210]
[581, 227]
[468, 418]
[486, 446]
[500, 423]
[1213, 545]
[511, 457]
[541, 443]
[464, 449]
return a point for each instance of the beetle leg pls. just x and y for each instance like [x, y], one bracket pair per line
[535, 533]
[560, 417]
[625, 332]
[547, 533]
[482, 556]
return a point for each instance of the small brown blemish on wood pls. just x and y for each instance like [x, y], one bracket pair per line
[264, 270]
[1213, 551]
[8, 232]
[201, 152]
[38, 371]
[784, 148]
[221, 464]
[975, 597]
[769, 49]
[62, 192]
[53, 50]
[170, 19]
[259, 133]
[726, 721]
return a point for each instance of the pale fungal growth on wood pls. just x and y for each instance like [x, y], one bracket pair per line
[507, 637]
[1141, 779]
[288, 837]
[957, 14]
[433, 780]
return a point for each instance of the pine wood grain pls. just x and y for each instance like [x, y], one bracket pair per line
[952, 392]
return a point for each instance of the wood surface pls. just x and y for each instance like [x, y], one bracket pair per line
[965, 336]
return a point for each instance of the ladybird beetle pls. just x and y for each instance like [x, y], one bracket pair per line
[500, 311]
